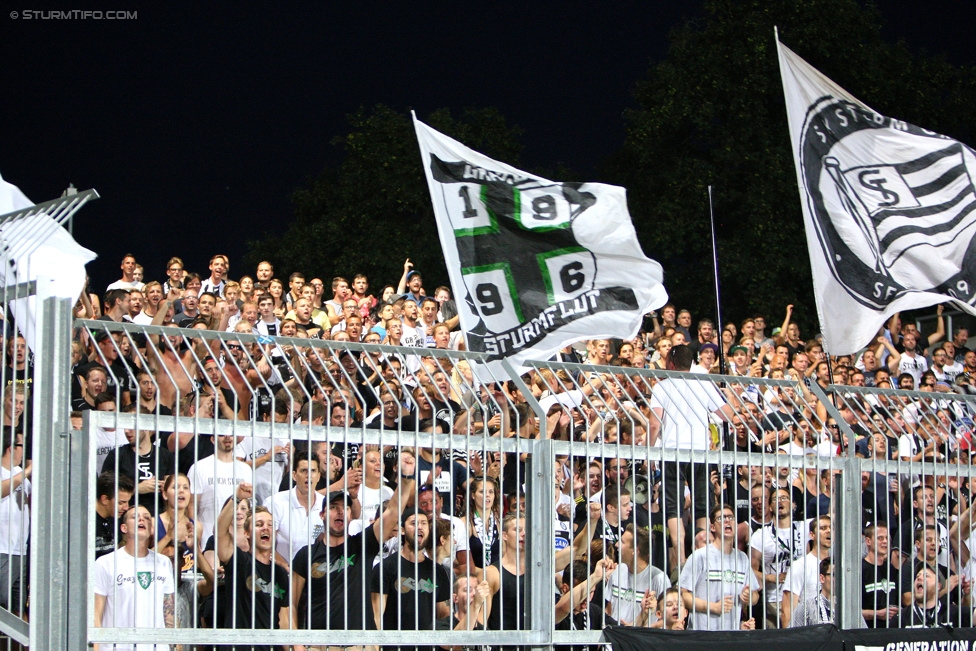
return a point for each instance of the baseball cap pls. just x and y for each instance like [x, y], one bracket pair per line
[412, 274]
[734, 349]
[340, 495]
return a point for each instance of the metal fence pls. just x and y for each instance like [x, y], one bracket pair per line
[36, 330]
[402, 493]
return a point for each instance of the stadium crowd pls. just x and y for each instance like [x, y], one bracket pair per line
[226, 531]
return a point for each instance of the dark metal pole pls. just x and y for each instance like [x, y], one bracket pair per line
[718, 301]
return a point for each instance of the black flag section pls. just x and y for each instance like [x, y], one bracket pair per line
[510, 242]
[825, 637]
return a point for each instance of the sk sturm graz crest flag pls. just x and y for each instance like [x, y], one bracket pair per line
[889, 209]
[535, 264]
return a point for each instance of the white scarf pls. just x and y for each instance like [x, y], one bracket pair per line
[487, 537]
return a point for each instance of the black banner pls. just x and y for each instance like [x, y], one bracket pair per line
[910, 639]
[825, 637]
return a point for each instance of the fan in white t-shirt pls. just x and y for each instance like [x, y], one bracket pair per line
[15, 522]
[134, 586]
[776, 547]
[414, 334]
[269, 459]
[296, 512]
[214, 479]
[802, 581]
[373, 492]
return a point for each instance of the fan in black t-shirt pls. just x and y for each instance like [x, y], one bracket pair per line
[411, 591]
[112, 501]
[146, 464]
[148, 394]
[96, 379]
[880, 580]
[580, 608]
[331, 577]
[259, 587]
[445, 408]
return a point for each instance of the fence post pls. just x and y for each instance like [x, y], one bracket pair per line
[540, 499]
[846, 532]
[50, 546]
[79, 501]
[540, 537]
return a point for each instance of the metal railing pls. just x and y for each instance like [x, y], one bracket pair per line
[33, 412]
[312, 399]
[798, 472]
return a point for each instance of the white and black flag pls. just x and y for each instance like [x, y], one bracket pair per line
[889, 209]
[536, 264]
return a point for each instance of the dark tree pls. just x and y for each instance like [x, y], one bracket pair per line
[713, 113]
[373, 211]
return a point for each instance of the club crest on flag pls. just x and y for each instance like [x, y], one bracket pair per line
[889, 209]
[880, 219]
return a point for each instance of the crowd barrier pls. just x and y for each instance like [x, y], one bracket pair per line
[34, 426]
[539, 473]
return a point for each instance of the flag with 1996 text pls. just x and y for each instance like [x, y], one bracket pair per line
[536, 264]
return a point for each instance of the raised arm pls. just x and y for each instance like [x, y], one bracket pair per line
[224, 312]
[658, 330]
[959, 533]
[582, 540]
[577, 595]
[655, 426]
[206, 586]
[893, 355]
[9, 485]
[224, 530]
[731, 406]
[591, 385]
[387, 525]
[476, 613]
[161, 311]
[595, 428]
[86, 303]
[226, 411]
[940, 330]
[781, 337]
[157, 320]
[402, 285]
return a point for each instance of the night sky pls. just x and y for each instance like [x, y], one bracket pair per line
[195, 125]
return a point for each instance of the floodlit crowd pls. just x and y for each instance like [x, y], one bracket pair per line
[234, 531]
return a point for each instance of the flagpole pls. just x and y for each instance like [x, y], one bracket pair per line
[718, 301]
